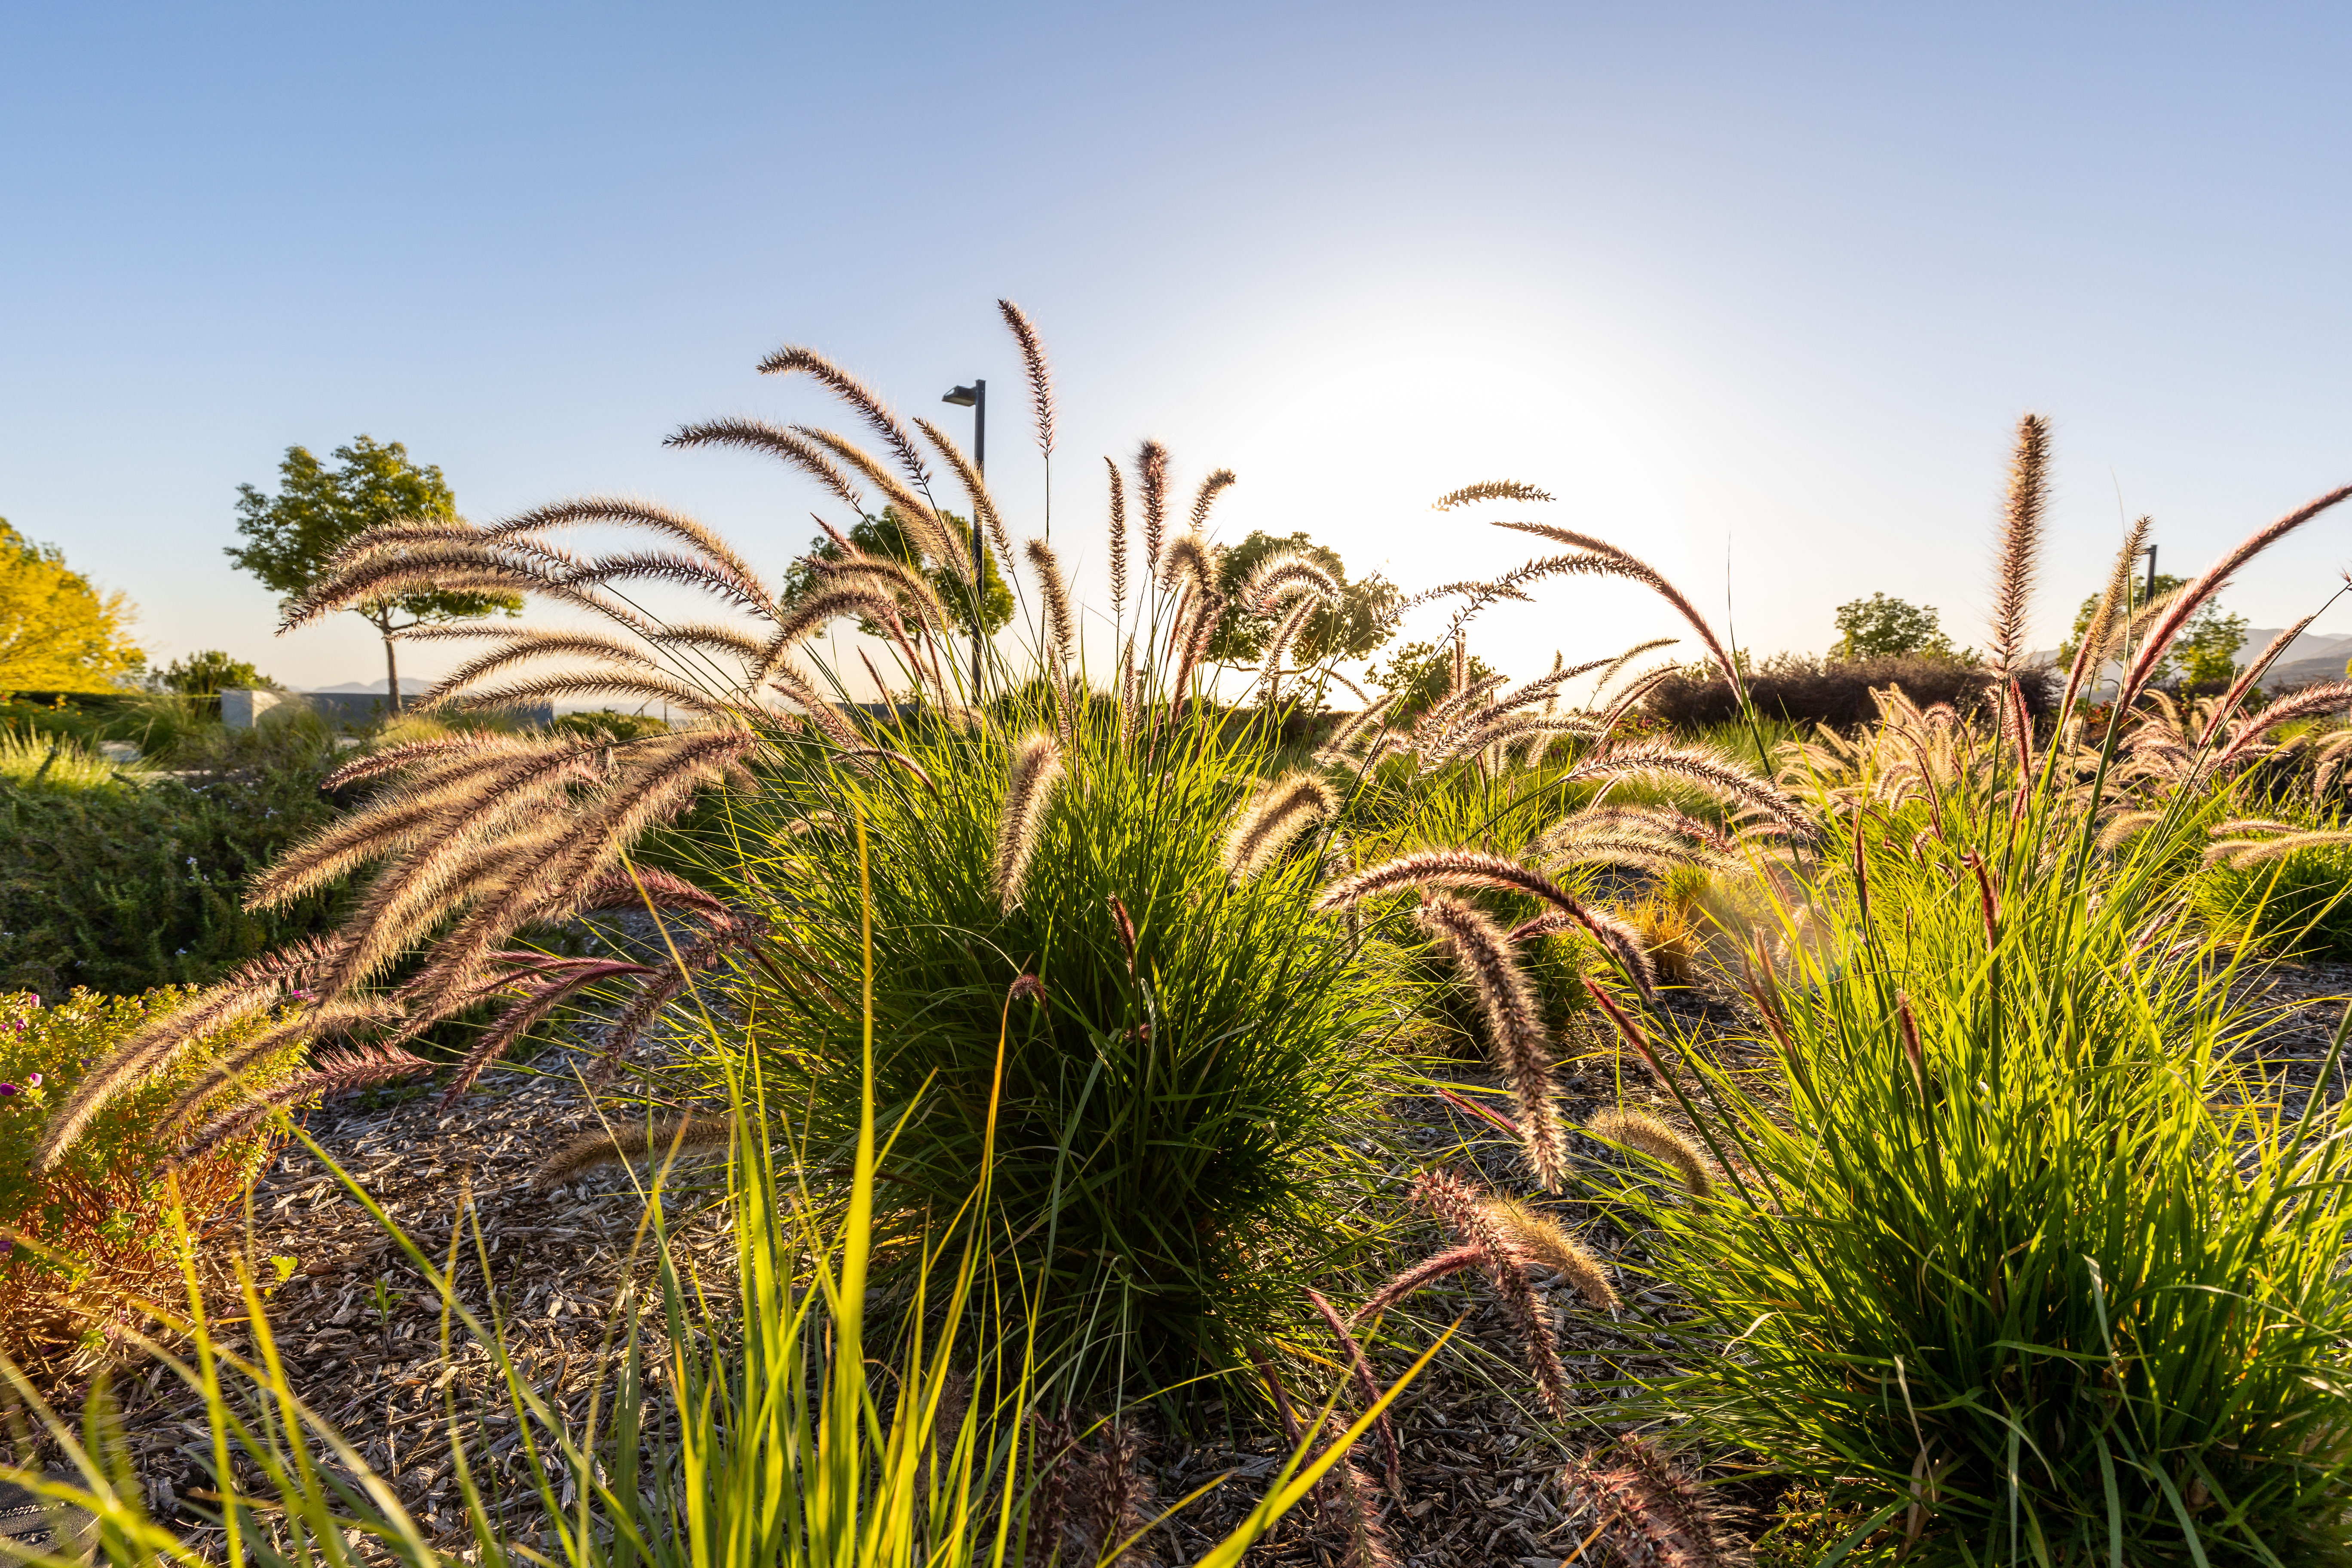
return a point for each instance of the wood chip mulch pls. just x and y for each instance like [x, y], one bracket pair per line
[360, 1334]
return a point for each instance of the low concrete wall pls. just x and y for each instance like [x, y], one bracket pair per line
[241, 710]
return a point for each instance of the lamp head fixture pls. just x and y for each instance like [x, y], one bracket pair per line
[962, 397]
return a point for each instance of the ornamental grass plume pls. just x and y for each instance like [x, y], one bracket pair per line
[790, 447]
[1545, 1242]
[1040, 373]
[1638, 1129]
[2021, 541]
[1489, 489]
[1609, 560]
[1151, 486]
[868, 405]
[1647, 1514]
[1277, 815]
[1189, 564]
[1472, 869]
[657, 1139]
[2166, 628]
[1117, 540]
[1215, 485]
[1465, 1213]
[1060, 634]
[1029, 783]
[1368, 1389]
[1514, 1023]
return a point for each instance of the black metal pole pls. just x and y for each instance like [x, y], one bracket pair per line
[979, 546]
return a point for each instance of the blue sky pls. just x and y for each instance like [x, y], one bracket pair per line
[1746, 287]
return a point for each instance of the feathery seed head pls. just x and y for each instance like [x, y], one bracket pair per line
[1279, 813]
[2020, 539]
[1041, 377]
[1029, 786]
[654, 1141]
[1489, 489]
[1638, 1129]
[1151, 479]
[1543, 1241]
[1514, 1023]
[1206, 496]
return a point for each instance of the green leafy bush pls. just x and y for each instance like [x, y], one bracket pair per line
[92, 1233]
[122, 889]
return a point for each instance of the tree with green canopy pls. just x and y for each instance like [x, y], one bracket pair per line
[291, 537]
[1364, 619]
[58, 631]
[1884, 626]
[209, 673]
[1423, 673]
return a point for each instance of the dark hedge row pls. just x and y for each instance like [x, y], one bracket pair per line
[1836, 692]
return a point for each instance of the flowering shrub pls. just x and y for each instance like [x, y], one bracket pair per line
[82, 1243]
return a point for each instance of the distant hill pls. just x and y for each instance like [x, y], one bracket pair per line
[410, 686]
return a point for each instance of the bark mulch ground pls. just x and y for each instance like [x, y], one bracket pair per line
[361, 1337]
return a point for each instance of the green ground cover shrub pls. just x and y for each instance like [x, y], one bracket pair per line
[88, 1235]
[123, 888]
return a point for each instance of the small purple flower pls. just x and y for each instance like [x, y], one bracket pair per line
[6, 1090]
[34, 1081]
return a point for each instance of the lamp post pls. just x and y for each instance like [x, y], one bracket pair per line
[975, 397]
